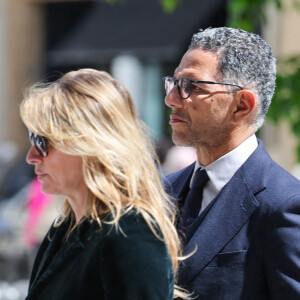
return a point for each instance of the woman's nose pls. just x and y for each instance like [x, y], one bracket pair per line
[33, 157]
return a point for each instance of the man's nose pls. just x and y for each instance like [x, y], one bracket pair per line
[173, 99]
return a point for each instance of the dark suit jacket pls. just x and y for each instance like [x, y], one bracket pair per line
[95, 264]
[248, 238]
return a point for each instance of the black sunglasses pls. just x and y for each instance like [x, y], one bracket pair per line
[40, 142]
[184, 85]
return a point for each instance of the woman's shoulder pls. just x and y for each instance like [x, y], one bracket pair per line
[134, 241]
[132, 228]
[130, 223]
[132, 253]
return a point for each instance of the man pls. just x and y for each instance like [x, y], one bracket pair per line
[244, 239]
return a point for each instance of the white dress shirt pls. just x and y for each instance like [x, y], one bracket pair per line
[221, 170]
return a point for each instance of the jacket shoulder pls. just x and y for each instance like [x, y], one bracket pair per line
[134, 254]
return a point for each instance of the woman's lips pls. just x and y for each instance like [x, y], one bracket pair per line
[40, 176]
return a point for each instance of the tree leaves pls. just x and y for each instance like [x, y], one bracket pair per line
[286, 101]
[169, 5]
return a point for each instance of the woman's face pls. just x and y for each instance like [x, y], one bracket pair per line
[59, 173]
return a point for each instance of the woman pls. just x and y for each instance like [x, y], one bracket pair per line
[115, 238]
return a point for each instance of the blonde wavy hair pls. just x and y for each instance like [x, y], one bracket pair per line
[88, 113]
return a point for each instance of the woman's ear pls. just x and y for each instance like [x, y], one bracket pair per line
[244, 105]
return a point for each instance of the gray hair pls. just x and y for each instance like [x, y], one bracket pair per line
[244, 59]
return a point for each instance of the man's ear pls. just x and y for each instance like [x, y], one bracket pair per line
[244, 105]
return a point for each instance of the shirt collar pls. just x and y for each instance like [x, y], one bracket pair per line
[221, 170]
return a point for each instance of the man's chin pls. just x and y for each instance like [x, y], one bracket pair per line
[181, 140]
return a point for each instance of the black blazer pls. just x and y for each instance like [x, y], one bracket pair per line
[248, 238]
[97, 264]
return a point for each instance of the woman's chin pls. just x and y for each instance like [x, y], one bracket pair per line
[48, 190]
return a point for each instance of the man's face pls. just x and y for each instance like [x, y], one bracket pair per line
[203, 119]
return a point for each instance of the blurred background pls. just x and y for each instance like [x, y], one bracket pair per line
[138, 42]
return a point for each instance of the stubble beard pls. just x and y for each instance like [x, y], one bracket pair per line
[182, 139]
[208, 139]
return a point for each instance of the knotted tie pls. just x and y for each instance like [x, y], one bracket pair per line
[192, 203]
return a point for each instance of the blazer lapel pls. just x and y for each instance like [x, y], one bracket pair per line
[59, 253]
[179, 186]
[226, 214]
[232, 211]
[49, 248]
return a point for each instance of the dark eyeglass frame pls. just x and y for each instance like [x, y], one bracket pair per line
[40, 142]
[179, 81]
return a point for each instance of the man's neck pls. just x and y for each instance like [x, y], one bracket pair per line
[207, 155]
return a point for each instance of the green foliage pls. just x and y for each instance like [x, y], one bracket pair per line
[169, 5]
[248, 15]
[286, 101]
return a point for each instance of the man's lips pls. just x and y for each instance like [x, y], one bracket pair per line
[175, 119]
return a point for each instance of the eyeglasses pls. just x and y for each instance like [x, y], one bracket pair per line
[40, 142]
[184, 85]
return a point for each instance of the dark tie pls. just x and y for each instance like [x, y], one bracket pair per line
[192, 203]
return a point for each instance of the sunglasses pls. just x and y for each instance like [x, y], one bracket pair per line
[40, 142]
[184, 85]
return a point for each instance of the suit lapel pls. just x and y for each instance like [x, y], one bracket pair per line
[227, 214]
[232, 211]
[178, 187]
